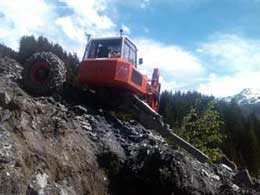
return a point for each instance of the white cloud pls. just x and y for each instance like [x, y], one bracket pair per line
[73, 32]
[230, 85]
[232, 53]
[179, 68]
[37, 17]
[170, 59]
[87, 17]
[88, 14]
[23, 17]
[235, 61]
[3, 33]
[167, 85]
[27, 15]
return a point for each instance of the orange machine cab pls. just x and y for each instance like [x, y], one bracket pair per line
[111, 62]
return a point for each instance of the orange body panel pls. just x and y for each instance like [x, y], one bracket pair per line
[112, 72]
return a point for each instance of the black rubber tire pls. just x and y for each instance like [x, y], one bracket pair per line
[56, 74]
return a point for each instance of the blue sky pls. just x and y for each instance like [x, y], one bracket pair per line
[212, 46]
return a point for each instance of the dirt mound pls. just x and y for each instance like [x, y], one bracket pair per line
[54, 146]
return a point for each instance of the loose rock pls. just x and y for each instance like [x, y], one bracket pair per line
[4, 99]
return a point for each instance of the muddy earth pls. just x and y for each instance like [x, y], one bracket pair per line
[62, 146]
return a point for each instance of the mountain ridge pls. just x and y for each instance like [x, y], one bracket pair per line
[246, 96]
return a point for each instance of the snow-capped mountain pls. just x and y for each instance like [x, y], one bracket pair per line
[247, 96]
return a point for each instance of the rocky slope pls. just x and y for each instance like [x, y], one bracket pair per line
[58, 146]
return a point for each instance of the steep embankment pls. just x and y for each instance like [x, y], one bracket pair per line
[55, 146]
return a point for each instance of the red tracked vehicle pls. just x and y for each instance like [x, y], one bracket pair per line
[108, 63]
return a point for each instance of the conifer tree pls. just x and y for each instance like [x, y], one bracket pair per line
[204, 131]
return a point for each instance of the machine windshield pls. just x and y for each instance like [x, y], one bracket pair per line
[110, 48]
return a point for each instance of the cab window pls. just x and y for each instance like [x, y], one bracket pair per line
[129, 52]
[132, 56]
[105, 49]
[126, 51]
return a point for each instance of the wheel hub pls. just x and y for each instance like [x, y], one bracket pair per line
[40, 72]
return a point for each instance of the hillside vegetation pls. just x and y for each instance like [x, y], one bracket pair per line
[234, 130]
